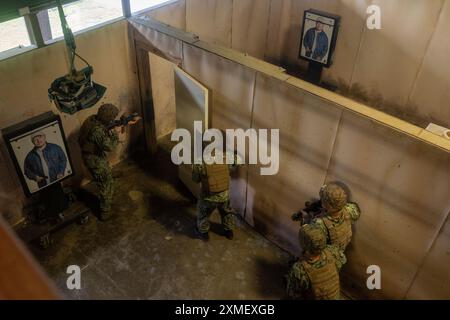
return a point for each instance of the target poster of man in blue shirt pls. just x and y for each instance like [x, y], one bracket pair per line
[42, 156]
[316, 42]
[317, 37]
[46, 162]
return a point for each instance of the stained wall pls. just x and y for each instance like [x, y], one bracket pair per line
[401, 69]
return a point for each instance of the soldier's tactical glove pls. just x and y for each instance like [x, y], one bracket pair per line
[296, 216]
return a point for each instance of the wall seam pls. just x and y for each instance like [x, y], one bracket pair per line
[231, 23]
[182, 54]
[358, 52]
[333, 148]
[419, 70]
[251, 127]
[267, 30]
[185, 14]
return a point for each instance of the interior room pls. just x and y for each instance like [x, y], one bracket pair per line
[347, 93]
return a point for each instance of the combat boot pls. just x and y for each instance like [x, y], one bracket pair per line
[229, 234]
[105, 215]
[202, 235]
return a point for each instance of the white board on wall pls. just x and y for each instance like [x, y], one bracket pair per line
[191, 100]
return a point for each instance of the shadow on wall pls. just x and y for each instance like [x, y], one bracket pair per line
[409, 112]
[395, 80]
[11, 204]
[80, 170]
[387, 80]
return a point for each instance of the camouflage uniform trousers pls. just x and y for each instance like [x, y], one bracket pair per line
[205, 209]
[295, 284]
[101, 172]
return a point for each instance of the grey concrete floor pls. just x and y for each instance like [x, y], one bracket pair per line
[148, 249]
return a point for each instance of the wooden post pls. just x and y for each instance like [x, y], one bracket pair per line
[34, 30]
[148, 109]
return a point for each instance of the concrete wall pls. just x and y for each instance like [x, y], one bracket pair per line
[400, 183]
[25, 79]
[401, 69]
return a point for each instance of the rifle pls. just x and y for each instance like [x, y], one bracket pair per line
[312, 210]
[123, 121]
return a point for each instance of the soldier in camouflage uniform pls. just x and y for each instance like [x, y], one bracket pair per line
[339, 215]
[335, 215]
[316, 274]
[95, 141]
[215, 194]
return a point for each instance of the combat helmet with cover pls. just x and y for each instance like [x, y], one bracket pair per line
[312, 238]
[107, 113]
[333, 197]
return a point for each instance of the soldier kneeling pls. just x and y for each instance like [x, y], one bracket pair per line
[316, 274]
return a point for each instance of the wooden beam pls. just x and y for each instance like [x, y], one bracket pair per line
[21, 277]
[166, 29]
[150, 48]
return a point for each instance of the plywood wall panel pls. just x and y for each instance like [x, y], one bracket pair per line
[283, 38]
[231, 88]
[433, 279]
[307, 130]
[211, 20]
[390, 58]
[402, 188]
[431, 95]
[277, 28]
[173, 14]
[285, 29]
[250, 26]
[353, 23]
[163, 90]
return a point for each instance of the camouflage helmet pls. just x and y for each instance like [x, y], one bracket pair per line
[312, 238]
[334, 197]
[107, 113]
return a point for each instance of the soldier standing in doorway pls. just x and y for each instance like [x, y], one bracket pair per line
[215, 194]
